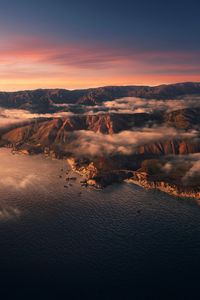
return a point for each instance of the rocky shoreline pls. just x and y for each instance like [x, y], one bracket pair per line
[99, 181]
[171, 189]
[95, 178]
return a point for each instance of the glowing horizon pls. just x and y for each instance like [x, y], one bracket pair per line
[35, 86]
[68, 45]
[31, 63]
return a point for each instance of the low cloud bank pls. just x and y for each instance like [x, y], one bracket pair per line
[189, 164]
[17, 116]
[131, 105]
[138, 105]
[194, 170]
[19, 184]
[8, 213]
[125, 142]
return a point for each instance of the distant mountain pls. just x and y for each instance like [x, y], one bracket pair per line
[45, 100]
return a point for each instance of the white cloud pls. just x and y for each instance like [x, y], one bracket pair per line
[16, 116]
[91, 143]
[139, 105]
[8, 213]
[18, 183]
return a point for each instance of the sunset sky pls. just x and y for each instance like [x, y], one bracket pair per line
[79, 44]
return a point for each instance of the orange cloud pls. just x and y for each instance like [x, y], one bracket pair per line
[27, 63]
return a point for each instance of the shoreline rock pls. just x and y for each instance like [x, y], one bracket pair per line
[163, 186]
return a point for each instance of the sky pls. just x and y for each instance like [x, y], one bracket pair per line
[81, 44]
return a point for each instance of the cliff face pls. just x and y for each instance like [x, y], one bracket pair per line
[174, 147]
[110, 123]
[62, 132]
[55, 130]
[184, 118]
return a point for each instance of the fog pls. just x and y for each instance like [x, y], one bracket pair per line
[125, 142]
[8, 212]
[91, 143]
[124, 105]
[16, 116]
[138, 105]
[189, 163]
[18, 183]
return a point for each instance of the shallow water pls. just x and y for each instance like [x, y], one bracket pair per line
[122, 241]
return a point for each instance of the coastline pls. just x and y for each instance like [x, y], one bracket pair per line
[165, 187]
[137, 178]
[91, 177]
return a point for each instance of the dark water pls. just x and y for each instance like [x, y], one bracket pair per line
[122, 242]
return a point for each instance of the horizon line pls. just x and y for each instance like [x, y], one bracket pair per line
[100, 86]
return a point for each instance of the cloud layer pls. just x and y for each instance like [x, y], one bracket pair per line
[125, 142]
[16, 116]
[29, 62]
[18, 184]
[138, 105]
[8, 213]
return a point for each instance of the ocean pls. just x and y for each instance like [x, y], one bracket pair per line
[65, 241]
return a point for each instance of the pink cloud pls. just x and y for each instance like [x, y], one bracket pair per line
[30, 58]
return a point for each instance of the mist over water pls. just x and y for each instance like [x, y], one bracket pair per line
[123, 241]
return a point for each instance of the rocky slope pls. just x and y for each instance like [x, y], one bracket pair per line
[58, 133]
[184, 118]
[56, 130]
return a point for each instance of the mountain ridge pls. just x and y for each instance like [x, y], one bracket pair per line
[43, 100]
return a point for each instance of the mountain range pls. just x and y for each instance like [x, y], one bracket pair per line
[43, 100]
[156, 145]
